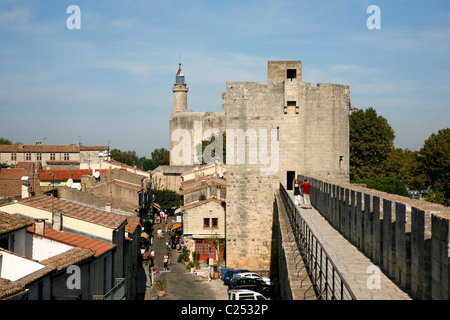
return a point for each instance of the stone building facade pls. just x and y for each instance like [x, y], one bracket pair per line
[274, 132]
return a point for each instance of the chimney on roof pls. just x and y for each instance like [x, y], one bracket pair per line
[39, 227]
[39, 143]
[57, 221]
[73, 145]
[25, 191]
[108, 207]
[20, 145]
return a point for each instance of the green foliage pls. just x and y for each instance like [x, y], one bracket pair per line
[405, 165]
[182, 257]
[435, 158]
[5, 141]
[160, 285]
[212, 149]
[160, 157]
[385, 184]
[166, 198]
[371, 142]
[127, 157]
[190, 265]
[6, 165]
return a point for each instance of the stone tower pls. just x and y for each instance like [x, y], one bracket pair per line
[275, 131]
[179, 92]
[188, 128]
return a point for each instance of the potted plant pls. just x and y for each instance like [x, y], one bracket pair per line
[160, 286]
[197, 259]
[190, 266]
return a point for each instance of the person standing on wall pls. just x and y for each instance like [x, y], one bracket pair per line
[297, 193]
[305, 190]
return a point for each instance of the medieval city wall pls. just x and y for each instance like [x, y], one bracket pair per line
[409, 239]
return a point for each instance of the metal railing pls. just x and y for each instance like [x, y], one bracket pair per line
[116, 293]
[326, 279]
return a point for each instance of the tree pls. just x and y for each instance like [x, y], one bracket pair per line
[5, 141]
[160, 157]
[124, 157]
[166, 198]
[406, 166]
[371, 142]
[435, 159]
[385, 184]
[212, 147]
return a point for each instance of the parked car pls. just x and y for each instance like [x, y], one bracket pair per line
[252, 284]
[245, 295]
[223, 272]
[230, 274]
[252, 275]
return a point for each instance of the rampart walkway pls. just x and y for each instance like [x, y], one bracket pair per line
[358, 271]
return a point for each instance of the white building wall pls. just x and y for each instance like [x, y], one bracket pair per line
[45, 248]
[14, 267]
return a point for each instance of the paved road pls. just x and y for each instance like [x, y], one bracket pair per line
[181, 284]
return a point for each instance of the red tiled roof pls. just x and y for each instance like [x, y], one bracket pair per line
[29, 165]
[99, 247]
[75, 210]
[11, 188]
[199, 203]
[16, 148]
[121, 183]
[67, 258]
[133, 223]
[10, 223]
[12, 173]
[66, 174]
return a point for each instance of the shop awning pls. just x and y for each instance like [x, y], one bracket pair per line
[156, 206]
[176, 226]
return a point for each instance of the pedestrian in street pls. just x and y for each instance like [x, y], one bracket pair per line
[152, 263]
[305, 190]
[166, 261]
[145, 264]
[297, 193]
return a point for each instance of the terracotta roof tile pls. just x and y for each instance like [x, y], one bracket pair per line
[10, 188]
[10, 223]
[199, 203]
[49, 148]
[9, 288]
[75, 210]
[67, 258]
[97, 246]
[65, 174]
[12, 173]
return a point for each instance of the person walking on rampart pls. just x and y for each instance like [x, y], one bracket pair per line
[297, 193]
[305, 190]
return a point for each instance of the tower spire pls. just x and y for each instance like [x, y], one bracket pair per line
[180, 90]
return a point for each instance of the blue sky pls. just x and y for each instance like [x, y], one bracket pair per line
[111, 81]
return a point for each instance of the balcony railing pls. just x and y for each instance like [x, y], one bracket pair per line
[326, 279]
[116, 293]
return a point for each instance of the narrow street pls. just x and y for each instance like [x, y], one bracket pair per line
[181, 284]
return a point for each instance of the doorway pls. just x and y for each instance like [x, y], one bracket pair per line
[290, 177]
